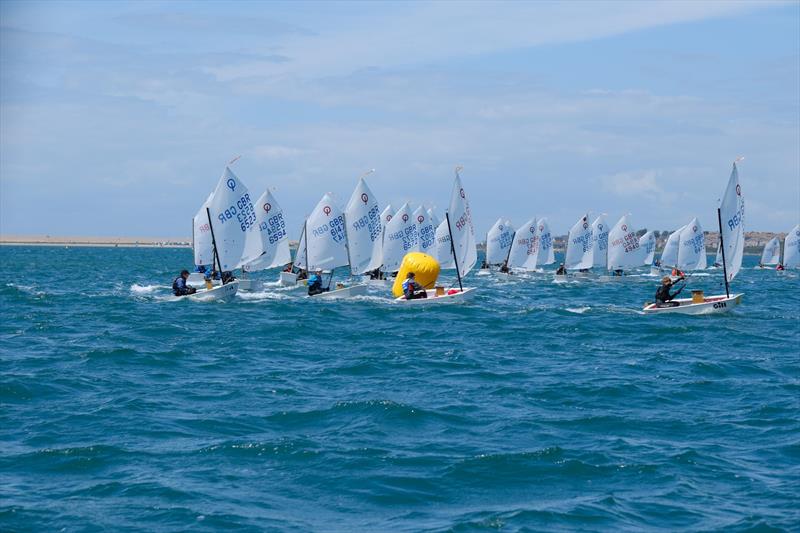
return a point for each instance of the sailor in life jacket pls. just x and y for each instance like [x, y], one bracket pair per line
[315, 284]
[179, 287]
[413, 290]
[663, 295]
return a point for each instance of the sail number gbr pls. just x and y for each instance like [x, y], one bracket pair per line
[243, 211]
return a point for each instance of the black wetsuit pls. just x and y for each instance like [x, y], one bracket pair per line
[664, 297]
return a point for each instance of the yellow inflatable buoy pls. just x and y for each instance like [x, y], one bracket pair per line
[425, 269]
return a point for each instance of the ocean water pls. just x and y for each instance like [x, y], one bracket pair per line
[537, 407]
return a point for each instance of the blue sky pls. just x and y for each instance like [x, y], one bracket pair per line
[118, 118]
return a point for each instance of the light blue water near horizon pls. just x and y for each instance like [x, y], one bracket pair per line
[539, 406]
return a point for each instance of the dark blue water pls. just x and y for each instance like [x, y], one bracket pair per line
[539, 406]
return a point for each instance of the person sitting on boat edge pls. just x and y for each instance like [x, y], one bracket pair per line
[179, 287]
[617, 272]
[202, 269]
[375, 274]
[677, 272]
[227, 277]
[504, 268]
[664, 297]
[413, 290]
[779, 267]
[562, 271]
[315, 284]
[484, 265]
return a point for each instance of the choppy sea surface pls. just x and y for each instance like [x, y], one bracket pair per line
[539, 406]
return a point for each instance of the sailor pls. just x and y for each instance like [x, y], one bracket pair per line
[504, 268]
[561, 270]
[376, 274]
[617, 272]
[227, 277]
[413, 290]
[315, 284]
[663, 295]
[179, 287]
[202, 269]
[677, 272]
[289, 267]
[484, 264]
[779, 267]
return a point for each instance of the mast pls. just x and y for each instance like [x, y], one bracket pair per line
[214, 245]
[722, 247]
[453, 248]
[347, 245]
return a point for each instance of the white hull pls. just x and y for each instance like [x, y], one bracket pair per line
[459, 296]
[345, 292]
[711, 305]
[655, 271]
[382, 283]
[560, 278]
[289, 279]
[220, 292]
[248, 284]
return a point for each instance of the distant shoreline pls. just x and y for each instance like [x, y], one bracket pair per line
[99, 242]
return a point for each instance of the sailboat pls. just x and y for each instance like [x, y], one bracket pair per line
[274, 240]
[235, 236]
[523, 254]
[772, 253]
[623, 249]
[730, 216]
[600, 230]
[364, 230]
[499, 239]
[669, 255]
[692, 247]
[543, 244]
[791, 248]
[323, 246]
[647, 243]
[580, 250]
[463, 248]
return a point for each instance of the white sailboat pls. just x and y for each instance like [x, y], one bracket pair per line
[730, 216]
[364, 230]
[202, 246]
[324, 246]
[791, 248]
[523, 255]
[498, 242]
[771, 255]
[623, 247]
[600, 230]
[647, 243]
[580, 246]
[235, 236]
[463, 247]
[669, 255]
[543, 244]
[274, 240]
[692, 247]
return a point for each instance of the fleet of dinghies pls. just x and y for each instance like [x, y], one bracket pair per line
[232, 232]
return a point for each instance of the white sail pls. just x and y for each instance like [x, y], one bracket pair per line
[580, 254]
[326, 236]
[233, 220]
[692, 247]
[399, 238]
[460, 217]
[426, 231]
[669, 255]
[772, 252]
[543, 244]
[364, 233]
[498, 242]
[718, 257]
[442, 248]
[731, 211]
[434, 219]
[274, 237]
[523, 255]
[623, 246]
[791, 248]
[600, 229]
[300, 255]
[647, 243]
[202, 243]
